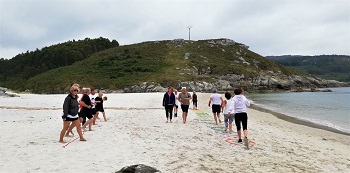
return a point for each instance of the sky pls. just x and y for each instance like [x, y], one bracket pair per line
[268, 27]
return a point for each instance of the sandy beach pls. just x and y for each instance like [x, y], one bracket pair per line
[136, 133]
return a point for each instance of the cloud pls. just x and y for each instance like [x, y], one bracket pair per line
[269, 27]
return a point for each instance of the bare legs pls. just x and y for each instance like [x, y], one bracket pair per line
[70, 129]
[63, 131]
[175, 111]
[215, 118]
[184, 116]
[66, 126]
[245, 132]
[104, 116]
[94, 118]
[89, 122]
[80, 133]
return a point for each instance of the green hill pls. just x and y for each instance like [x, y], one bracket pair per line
[15, 72]
[332, 67]
[158, 61]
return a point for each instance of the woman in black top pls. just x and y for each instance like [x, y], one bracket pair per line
[86, 111]
[70, 113]
[99, 105]
[169, 103]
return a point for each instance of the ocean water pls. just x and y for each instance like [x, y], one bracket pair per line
[331, 109]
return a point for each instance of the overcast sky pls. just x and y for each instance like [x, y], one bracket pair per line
[268, 27]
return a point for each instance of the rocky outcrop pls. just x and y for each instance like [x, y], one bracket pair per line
[146, 87]
[140, 168]
[4, 93]
[2, 90]
[265, 81]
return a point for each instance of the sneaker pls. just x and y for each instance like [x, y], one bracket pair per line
[246, 142]
[239, 140]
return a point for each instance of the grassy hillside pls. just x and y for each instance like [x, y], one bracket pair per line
[160, 61]
[332, 67]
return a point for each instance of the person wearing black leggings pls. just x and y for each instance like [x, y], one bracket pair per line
[238, 106]
[169, 103]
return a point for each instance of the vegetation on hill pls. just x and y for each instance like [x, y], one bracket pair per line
[15, 72]
[158, 61]
[332, 67]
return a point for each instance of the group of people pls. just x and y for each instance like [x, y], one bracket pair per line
[75, 112]
[234, 108]
[172, 100]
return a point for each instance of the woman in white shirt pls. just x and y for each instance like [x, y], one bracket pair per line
[238, 107]
[216, 100]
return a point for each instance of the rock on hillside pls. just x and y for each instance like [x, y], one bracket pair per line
[4, 93]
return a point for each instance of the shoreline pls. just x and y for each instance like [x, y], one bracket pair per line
[299, 121]
[137, 133]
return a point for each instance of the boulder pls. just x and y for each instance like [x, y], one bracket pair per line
[4, 93]
[187, 55]
[178, 42]
[139, 168]
[2, 90]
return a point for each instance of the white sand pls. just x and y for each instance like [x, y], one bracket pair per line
[137, 133]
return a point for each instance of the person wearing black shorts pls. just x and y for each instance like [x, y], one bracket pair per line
[99, 105]
[70, 113]
[86, 110]
[184, 99]
[238, 107]
[216, 100]
[93, 106]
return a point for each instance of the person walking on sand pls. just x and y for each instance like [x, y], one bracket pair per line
[82, 118]
[228, 119]
[99, 105]
[86, 110]
[216, 100]
[194, 100]
[72, 125]
[93, 103]
[238, 107]
[177, 103]
[184, 99]
[169, 103]
[70, 113]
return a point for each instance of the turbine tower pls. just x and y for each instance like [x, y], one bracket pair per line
[189, 33]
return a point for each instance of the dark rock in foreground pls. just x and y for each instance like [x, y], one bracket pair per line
[140, 168]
